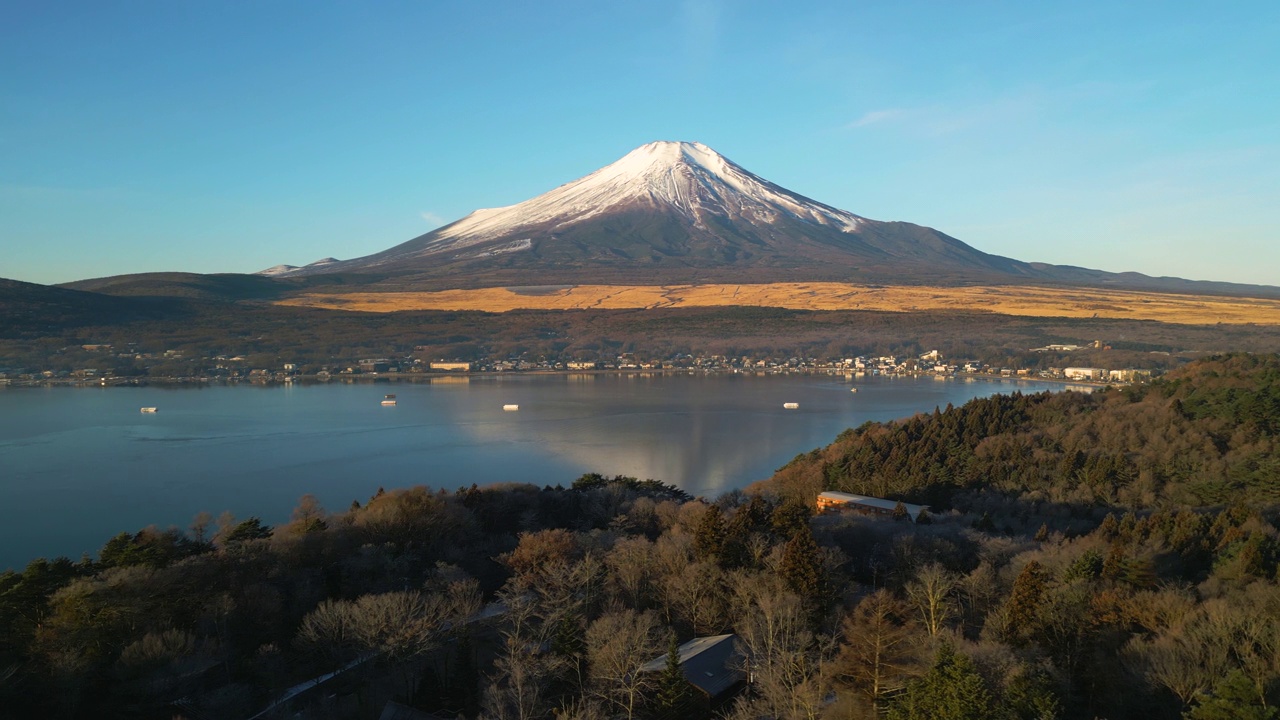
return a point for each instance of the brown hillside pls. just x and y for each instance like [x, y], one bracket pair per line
[1003, 300]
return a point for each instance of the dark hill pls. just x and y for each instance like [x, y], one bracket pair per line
[31, 309]
[221, 287]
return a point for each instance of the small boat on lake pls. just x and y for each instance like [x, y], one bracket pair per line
[853, 389]
[388, 402]
[791, 406]
[391, 396]
[510, 408]
[149, 410]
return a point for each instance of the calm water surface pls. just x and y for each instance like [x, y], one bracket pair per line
[78, 465]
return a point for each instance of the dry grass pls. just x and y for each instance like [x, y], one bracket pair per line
[1003, 300]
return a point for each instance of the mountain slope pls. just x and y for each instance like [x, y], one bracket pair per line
[675, 212]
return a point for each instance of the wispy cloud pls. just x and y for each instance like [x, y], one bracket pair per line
[943, 120]
[875, 117]
[432, 219]
[1025, 107]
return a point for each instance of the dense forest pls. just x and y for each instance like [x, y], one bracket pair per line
[1107, 555]
[1206, 435]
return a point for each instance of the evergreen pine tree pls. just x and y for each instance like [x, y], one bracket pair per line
[801, 568]
[1025, 599]
[985, 524]
[951, 690]
[1234, 698]
[789, 517]
[674, 699]
[464, 680]
[569, 641]
[709, 538]
[1114, 562]
[755, 515]
[1086, 567]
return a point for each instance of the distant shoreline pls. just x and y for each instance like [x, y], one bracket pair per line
[313, 379]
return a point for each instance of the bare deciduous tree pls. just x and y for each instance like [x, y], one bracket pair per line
[697, 596]
[931, 593]
[785, 657]
[619, 643]
[1190, 659]
[398, 627]
[630, 564]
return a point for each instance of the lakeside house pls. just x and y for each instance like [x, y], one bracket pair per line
[832, 501]
[450, 366]
[713, 665]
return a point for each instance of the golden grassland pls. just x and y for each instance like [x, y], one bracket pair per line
[1002, 300]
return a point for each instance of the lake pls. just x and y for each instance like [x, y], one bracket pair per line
[78, 465]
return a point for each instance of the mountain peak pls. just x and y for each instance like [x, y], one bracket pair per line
[650, 162]
[667, 153]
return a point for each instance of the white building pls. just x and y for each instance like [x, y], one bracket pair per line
[1085, 373]
[831, 500]
[1129, 375]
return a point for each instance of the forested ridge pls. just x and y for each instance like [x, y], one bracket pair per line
[1205, 435]
[1110, 555]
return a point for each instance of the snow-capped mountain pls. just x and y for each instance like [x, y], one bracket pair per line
[689, 178]
[671, 212]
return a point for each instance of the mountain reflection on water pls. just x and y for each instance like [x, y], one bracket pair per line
[82, 464]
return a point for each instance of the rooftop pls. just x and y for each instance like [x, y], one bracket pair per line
[875, 502]
[709, 663]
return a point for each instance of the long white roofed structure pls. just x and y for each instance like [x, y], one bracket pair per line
[832, 500]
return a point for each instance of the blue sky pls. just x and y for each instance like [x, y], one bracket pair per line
[228, 137]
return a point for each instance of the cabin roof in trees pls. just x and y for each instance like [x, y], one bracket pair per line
[831, 499]
[710, 664]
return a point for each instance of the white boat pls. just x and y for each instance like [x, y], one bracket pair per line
[791, 406]
[388, 402]
[149, 409]
[853, 389]
[510, 408]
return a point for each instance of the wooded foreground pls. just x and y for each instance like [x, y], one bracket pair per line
[1109, 555]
